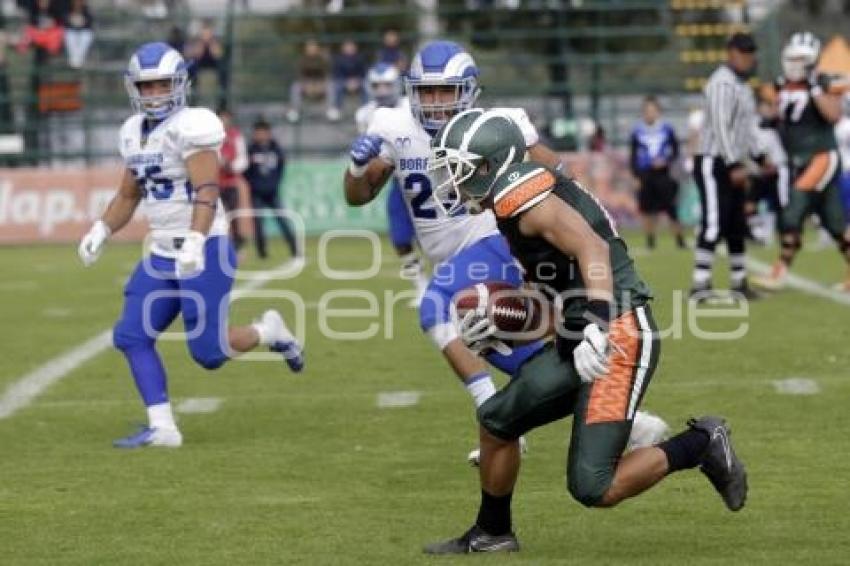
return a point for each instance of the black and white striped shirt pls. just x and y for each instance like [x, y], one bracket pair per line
[730, 117]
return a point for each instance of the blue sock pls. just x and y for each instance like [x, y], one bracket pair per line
[149, 374]
[510, 364]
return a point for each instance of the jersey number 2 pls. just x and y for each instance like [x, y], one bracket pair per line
[417, 203]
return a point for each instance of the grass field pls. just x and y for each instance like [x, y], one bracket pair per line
[308, 469]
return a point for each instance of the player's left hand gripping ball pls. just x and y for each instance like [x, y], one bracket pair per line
[190, 258]
[479, 333]
[591, 355]
[92, 243]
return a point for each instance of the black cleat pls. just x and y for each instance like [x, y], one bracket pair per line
[702, 294]
[745, 291]
[720, 464]
[474, 540]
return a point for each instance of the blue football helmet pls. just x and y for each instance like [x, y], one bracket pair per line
[384, 84]
[441, 64]
[155, 62]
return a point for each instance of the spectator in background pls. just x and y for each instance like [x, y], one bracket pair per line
[266, 165]
[312, 81]
[234, 161]
[598, 142]
[78, 33]
[206, 54]
[349, 74]
[390, 51]
[176, 38]
[44, 30]
[155, 9]
[654, 148]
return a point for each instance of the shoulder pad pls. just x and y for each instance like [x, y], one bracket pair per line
[521, 187]
[521, 119]
[130, 128]
[382, 120]
[199, 129]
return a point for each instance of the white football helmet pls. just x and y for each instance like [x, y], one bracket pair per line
[800, 55]
[154, 62]
[441, 64]
[383, 83]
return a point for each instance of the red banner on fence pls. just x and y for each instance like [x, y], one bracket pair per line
[57, 205]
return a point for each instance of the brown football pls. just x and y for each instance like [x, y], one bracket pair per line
[509, 308]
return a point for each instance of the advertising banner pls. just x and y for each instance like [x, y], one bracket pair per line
[59, 205]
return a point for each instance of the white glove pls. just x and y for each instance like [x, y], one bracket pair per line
[92, 243]
[478, 333]
[591, 355]
[190, 258]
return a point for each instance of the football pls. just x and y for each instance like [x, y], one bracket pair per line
[510, 309]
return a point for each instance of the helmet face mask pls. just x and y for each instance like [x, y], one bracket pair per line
[435, 102]
[157, 63]
[450, 169]
[469, 154]
[158, 106]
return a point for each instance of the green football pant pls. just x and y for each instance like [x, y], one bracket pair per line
[815, 190]
[547, 388]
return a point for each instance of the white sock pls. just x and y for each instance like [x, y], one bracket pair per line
[160, 416]
[481, 387]
[262, 335]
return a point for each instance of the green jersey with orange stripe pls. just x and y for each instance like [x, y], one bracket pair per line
[804, 130]
[524, 185]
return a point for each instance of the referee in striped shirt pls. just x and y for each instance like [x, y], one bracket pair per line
[727, 140]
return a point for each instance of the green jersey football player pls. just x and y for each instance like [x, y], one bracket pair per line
[606, 350]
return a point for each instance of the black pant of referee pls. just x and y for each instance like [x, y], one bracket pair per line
[723, 218]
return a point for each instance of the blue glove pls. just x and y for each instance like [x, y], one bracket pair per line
[365, 148]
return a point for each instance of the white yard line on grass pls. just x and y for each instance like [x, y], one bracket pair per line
[29, 386]
[796, 386]
[394, 399]
[26, 388]
[804, 284]
[194, 405]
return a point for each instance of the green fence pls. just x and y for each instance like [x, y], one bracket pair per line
[313, 190]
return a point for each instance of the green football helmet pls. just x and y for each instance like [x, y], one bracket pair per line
[469, 153]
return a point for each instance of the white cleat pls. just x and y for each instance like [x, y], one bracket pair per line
[296, 263]
[647, 430]
[276, 335]
[474, 456]
[147, 436]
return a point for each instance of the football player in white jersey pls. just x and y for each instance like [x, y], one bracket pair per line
[170, 153]
[465, 249]
[383, 83]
